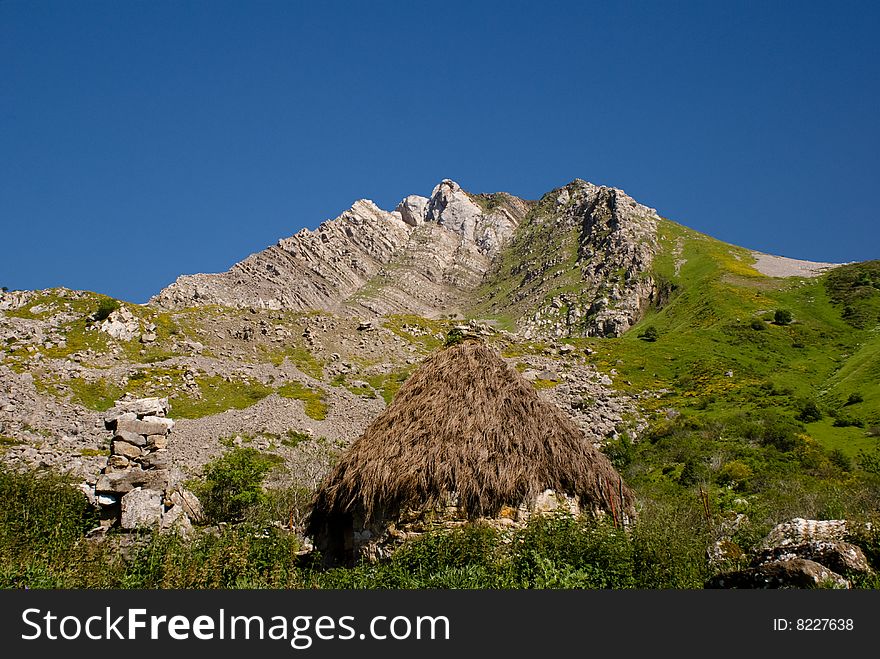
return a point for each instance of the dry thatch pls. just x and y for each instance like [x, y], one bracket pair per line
[466, 422]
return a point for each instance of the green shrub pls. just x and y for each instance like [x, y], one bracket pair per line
[758, 324]
[869, 460]
[854, 398]
[106, 306]
[41, 513]
[233, 483]
[620, 451]
[241, 556]
[454, 337]
[735, 473]
[649, 334]
[775, 429]
[809, 412]
[782, 317]
[840, 459]
[845, 421]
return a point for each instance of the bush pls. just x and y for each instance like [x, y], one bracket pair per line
[773, 429]
[782, 317]
[854, 397]
[620, 451]
[454, 337]
[650, 333]
[106, 306]
[809, 412]
[41, 513]
[758, 324]
[843, 421]
[735, 474]
[234, 483]
[869, 461]
[840, 459]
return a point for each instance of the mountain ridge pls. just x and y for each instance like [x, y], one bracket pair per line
[430, 255]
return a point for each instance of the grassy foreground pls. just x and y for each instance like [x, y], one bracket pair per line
[44, 521]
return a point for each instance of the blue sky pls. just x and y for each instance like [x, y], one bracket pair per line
[143, 140]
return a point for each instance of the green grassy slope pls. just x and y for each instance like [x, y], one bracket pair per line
[719, 349]
[539, 262]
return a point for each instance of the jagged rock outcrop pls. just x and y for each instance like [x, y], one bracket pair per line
[420, 258]
[579, 266]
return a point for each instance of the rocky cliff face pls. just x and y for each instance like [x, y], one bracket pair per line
[575, 264]
[580, 265]
[421, 258]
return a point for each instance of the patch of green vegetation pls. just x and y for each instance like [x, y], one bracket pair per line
[219, 395]
[860, 372]
[57, 300]
[541, 383]
[43, 517]
[488, 202]
[416, 330]
[9, 441]
[539, 245]
[293, 438]
[389, 383]
[105, 307]
[93, 452]
[234, 482]
[709, 351]
[314, 401]
[43, 520]
[855, 289]
[361, 389]
[98, 395]
[299, 356]
[762, 464]
[521, 349]
[155, 381]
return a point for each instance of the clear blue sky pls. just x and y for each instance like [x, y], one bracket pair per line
[143, 140]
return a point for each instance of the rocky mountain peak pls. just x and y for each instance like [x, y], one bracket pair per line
[420, 258]
[578, 261]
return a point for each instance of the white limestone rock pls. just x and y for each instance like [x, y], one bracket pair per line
[412, 209]
[121, 324]
[141, 508]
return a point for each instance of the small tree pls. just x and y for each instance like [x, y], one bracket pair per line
[650, 333]
[782, 317]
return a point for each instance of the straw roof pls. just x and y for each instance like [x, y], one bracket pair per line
[467, 423]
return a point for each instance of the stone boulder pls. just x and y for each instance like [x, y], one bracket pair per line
[175, 520]
[188, 503]
[134, 477]
[842, 557]
[121, 324]
[799, 531]
[141, 509]
[793, 573]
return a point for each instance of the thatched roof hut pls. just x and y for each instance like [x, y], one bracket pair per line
[468, 428]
